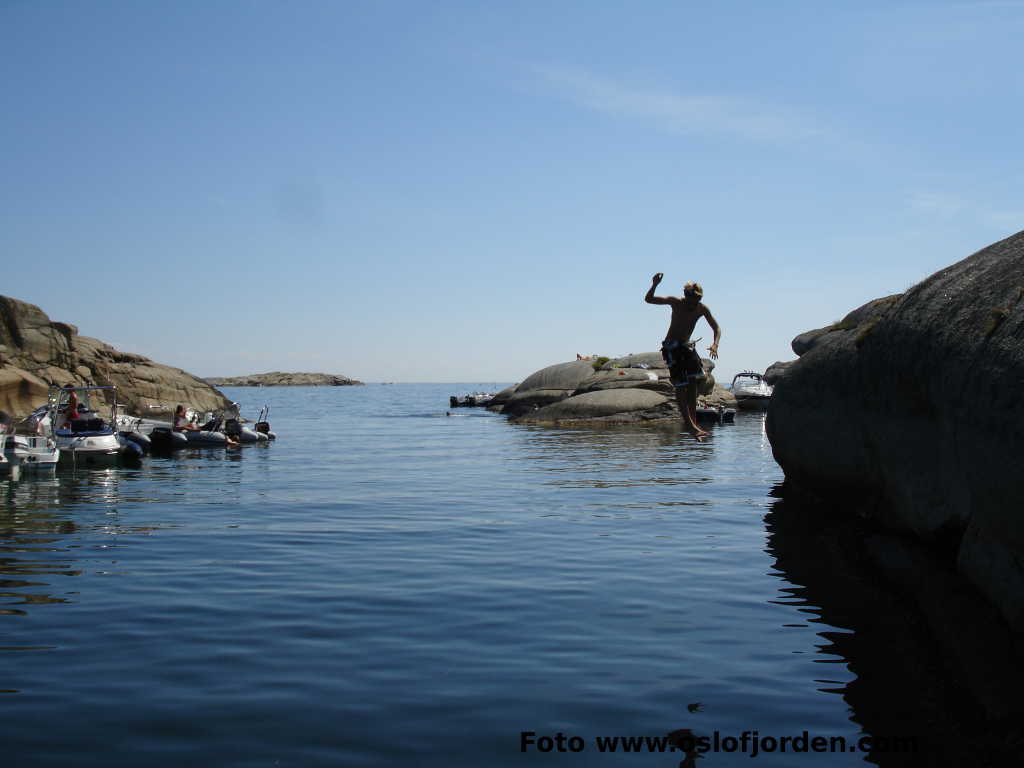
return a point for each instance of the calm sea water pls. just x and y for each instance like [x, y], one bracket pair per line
[388, 585]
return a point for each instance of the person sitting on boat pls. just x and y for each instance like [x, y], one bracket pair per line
[181, 421]
[71, 411]
[684, 364]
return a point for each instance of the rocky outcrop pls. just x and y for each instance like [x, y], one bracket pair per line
[635, 388]
[498, 401]
[911, 406]
[619, 406]
[776, 371]
[36, 353]
[279, 379]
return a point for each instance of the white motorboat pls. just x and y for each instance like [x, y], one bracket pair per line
[83, 436]
[27, 452]
[20, 451]
[751, 391]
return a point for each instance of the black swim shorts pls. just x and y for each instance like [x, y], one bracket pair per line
[684, 364]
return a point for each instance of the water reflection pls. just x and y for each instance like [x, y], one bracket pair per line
[900, 690]
[47, 521]
[616, 456]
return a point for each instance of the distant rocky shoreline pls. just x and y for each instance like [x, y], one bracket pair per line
[280, 379]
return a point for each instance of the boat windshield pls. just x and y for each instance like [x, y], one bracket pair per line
[747, 379]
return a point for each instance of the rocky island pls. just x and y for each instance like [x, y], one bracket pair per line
[37, 353]
[625, 390]
[279, 379]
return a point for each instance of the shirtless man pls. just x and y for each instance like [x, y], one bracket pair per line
[684, 365]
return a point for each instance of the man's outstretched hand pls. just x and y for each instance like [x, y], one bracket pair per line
[657, 278]
[713, 349]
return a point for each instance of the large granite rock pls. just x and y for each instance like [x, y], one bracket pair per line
[566, 376]
[623, 378]
[522, 402]
[645, 371]
[620, 406]
[548, 385]
[279, 379]
[911, 405]
[36, 353]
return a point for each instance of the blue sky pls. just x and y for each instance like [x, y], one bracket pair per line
[467, 191]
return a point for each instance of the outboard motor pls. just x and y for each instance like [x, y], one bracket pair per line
[234, 428]
[213, 425]
[262, 425]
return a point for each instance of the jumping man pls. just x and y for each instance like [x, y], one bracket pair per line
[684, 365]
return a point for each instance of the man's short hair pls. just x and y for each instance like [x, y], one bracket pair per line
[693, 289]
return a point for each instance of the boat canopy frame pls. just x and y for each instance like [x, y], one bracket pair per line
[59, 397]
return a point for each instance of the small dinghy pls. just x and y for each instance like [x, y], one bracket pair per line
[719, 415]
[166, 439]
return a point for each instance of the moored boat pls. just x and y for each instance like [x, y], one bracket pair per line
[83, 435]
[751, 391]
[30, 452]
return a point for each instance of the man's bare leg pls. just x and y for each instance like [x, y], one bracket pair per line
[691, 402]
[688, 412]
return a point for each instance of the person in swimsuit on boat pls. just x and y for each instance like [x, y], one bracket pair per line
[181, 422]
[71, 410]
[684, 364]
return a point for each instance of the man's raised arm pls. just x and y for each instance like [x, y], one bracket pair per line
[650, 298]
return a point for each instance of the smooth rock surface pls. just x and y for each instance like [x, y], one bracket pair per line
[522, 402]
[565, 376]
[912, 409]
[616, 405]
[563, 380]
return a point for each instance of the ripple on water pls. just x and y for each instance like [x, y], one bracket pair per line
[386, 584]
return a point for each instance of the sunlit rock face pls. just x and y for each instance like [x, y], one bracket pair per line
[911, 407]
[36, 353]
